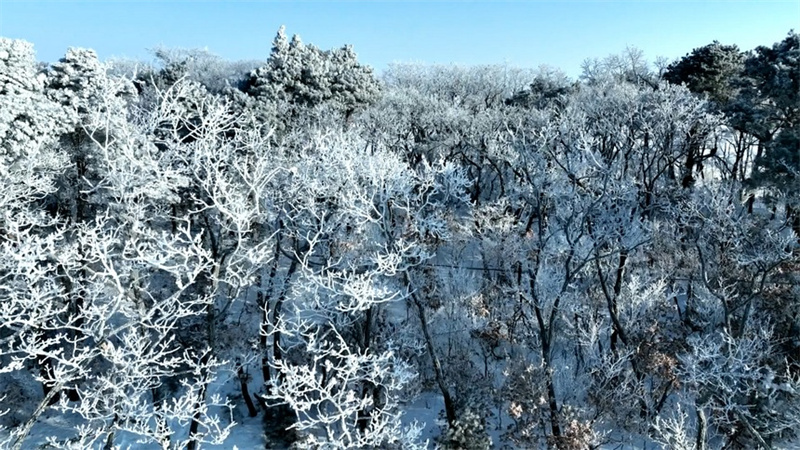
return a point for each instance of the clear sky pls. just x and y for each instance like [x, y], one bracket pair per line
[522, 33]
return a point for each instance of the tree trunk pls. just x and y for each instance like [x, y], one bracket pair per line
[449, 405]
[211, 319]
[251, 408]
[263, 300]
[688, 177]
[611, 298]
[110, 439]
[367, 388]
[195, 425]
[46, 371]
[161, 423]
[551, 389]
[26, 428]
[551, 399]
[277, 353]
[701, 429]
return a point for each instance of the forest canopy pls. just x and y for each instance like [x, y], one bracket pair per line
[194, 246]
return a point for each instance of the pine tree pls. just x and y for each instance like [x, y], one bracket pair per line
[305, 76]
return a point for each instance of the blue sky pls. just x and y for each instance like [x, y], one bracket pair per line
[521, 33]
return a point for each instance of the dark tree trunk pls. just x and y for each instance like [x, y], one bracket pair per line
[449, 404]
[110, 439]
[688, 177]
[211, 319]
[195, 425]
[544, 335]
[277, 353]
[263, 300]
[251, 408]
[367, 388]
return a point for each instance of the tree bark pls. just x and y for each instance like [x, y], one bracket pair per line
[277, 353]
[449, 405]
[251, 408]
[26, 429]
[367, 388]
[195, 425]
[701, 429]
[263, 300]
[555, 424]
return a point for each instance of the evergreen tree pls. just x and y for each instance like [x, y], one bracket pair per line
[709, 70]
[29, 121]
[769, 108]
[305, 76]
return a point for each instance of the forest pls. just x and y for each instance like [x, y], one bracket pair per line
[301, 253]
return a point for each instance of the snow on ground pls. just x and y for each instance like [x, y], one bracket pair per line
[247, 434]
[427, 409]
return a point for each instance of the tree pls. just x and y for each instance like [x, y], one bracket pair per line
[548, 258]
[99, 312]
[767, 108]
[362, 220]
[200, 65]
[630, 66]
[548, 87]
[29, 122]
[711, 70]
[306, 76]
[30, 163]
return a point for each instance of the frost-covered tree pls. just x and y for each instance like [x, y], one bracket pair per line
[548, 87]
[30, 162]
[200, 65]
[100, 311]
[767, 108]
[364, 221]
[305, 76]
[82, 85]
[546, 262]
[30, 121]
[629, 66]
